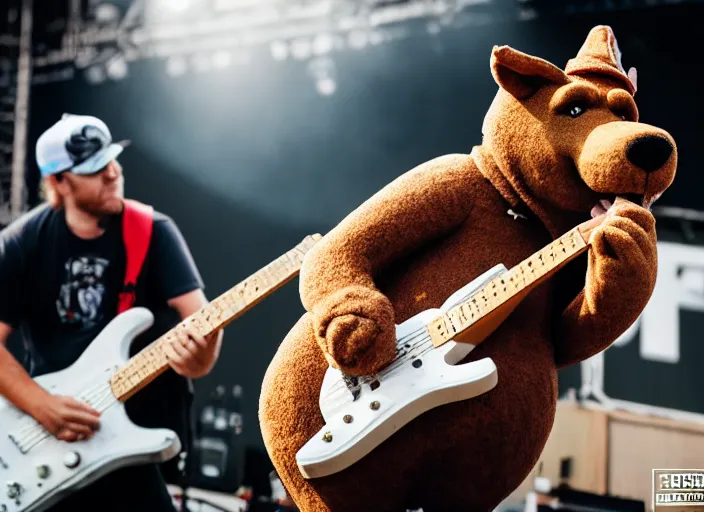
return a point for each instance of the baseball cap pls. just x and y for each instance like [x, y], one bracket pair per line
[81, 144]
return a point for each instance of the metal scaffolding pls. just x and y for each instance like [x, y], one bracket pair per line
[15, 83]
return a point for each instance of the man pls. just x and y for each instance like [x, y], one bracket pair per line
[62, 267]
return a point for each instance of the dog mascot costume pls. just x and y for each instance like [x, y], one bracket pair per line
[559, 148]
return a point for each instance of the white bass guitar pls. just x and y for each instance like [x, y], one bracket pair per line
[38, 470]
[362, 412]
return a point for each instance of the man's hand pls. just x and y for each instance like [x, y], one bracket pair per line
[66, 418]
[190, 354]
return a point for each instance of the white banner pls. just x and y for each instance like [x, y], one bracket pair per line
[679, 286]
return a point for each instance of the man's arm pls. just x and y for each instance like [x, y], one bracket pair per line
[180, 285]
[195, 356]
[63, 416]
[15, 383]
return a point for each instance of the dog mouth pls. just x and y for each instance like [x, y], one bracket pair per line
[603, 205]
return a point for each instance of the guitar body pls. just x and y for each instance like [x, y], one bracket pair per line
[37, 470]
[420, 378]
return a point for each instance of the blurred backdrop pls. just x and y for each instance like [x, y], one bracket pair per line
[255, 123]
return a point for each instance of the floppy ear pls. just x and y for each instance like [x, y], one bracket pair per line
[522, 75]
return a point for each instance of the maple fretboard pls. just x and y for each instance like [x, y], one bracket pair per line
[149, 363]
[503, 293]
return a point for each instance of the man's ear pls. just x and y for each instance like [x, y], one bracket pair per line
[522, 75]
[57, 182]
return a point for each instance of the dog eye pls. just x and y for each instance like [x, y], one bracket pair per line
[575, 110]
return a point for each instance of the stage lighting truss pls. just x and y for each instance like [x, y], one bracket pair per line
[101, 38]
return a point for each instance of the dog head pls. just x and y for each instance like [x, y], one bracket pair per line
[572, 138]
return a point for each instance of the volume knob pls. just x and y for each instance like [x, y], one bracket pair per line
[72, 459]
[43, 471]
[13, 490]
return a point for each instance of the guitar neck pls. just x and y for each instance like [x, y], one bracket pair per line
[509, 288]
[148, 364]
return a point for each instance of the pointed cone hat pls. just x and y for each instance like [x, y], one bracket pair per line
[600, 55]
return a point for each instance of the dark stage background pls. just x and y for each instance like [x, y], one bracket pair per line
[250, 159]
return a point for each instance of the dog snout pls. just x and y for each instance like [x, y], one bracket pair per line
[649, 152]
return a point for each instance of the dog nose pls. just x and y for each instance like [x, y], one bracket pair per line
[649, 152]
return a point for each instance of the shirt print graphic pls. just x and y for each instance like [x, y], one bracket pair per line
[81, 295]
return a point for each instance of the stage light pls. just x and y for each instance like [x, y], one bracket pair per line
[177, 5]
[116, 67]
[357, 39]
[326, 86]
[95, 75]
[222, 59]
[376, 37]
[200, 63]
[433, 28]
[106, 13]
[176, 66]
[301, 49]
[324, 73]
[322, 44]
[279, 50]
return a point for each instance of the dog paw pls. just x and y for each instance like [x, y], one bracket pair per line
[355, 327]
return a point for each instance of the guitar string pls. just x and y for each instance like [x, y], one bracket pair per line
[29, 435]
[425, 343]
[88, 394]
[34, 433]
[224, 304]
[414, 339]
[401, 358]
[518, 273]
[229, 303]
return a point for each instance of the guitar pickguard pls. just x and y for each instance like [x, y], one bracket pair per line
[37, 469]
[361, 412]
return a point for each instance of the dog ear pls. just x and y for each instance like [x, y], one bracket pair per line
[522, 75]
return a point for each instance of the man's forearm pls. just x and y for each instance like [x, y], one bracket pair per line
[16, 385]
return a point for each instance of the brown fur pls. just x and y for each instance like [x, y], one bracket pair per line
[436, 228]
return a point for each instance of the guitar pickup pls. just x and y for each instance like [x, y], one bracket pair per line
[353, 385]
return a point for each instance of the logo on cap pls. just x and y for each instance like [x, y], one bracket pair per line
[84, 142]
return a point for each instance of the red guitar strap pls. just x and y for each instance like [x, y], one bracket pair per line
[137, 220]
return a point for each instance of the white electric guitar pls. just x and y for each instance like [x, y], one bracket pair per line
[37, 470]
[361, 412]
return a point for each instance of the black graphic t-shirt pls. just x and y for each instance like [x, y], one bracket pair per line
[61, 291]
[81, 295]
